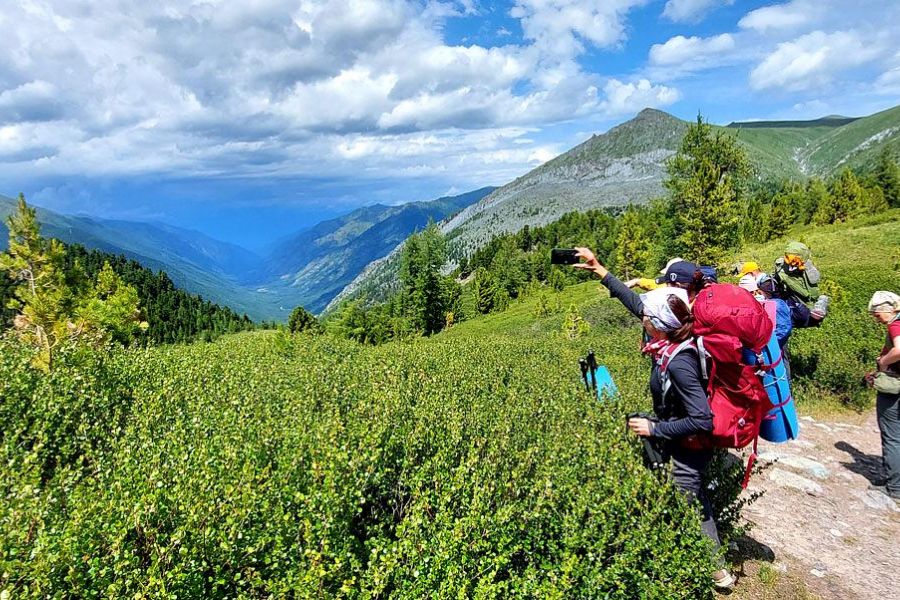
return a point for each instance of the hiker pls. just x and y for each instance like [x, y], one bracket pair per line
[651, 284]
[885, 307]
[798, 282]
[747, 268]
[763, 289]
[680, 402]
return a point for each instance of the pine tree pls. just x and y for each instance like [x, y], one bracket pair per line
[485, 291]
[781, 216]
[848, 196]
[301, 320]
[887, 176]
[706, 182]
[41, 298]
[633, 248]
[819, 207]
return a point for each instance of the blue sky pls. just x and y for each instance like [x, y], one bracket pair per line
[250, 120]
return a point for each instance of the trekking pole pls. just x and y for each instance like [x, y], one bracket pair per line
[584, 369]
[592, 366]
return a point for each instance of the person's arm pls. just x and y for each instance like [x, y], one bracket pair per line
[617, 289]
[687, 386]
[893, 355]
[784, 324]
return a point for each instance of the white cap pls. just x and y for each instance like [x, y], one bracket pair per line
[748, 282]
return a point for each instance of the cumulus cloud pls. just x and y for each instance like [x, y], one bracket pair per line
[561, 27]
[783, 16]
[626, 98]
[813, 60]
[687, 11]
[682, 51]
[279, 86]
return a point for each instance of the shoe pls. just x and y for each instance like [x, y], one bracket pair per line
[820, 308]
[879, 482]
[723, 580]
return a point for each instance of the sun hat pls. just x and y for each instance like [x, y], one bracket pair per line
[883, 301]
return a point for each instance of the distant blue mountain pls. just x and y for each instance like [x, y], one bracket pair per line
[308, 268]
[313, 266]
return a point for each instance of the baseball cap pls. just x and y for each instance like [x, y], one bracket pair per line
[681, 271]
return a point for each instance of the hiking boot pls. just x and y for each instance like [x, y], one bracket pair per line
[722, 579]
[820, 308]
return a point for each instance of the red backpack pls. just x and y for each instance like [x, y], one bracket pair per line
[728, 322]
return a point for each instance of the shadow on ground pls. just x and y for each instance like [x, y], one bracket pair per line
[867, 465]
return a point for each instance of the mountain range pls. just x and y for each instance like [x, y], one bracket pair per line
[307, 268]
[358, 253]
[627, 165]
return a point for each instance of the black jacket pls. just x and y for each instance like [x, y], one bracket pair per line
[685, 409]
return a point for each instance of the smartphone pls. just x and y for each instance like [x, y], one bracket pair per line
[563, 256]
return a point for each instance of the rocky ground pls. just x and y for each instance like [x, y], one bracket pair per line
[818, 531]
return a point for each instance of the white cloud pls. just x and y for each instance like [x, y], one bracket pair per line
[99, 87]
[680, 50]
[627, 98]
[561, 27]
[813, 60]
[784, 16]
[686, 11]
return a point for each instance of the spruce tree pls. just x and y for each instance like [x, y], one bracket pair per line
[707, 179]
[887, 176]
[633, 246]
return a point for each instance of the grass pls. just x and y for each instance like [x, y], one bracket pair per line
[855, 258]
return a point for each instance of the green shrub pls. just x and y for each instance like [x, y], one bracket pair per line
[431, 468]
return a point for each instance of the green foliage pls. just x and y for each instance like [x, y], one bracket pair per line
[887, 177]
[301, 320]
[707, 179]
[322, 468]
[633, 248]
[172, 315]
[55, 305]
[574, 326]
[424, 290]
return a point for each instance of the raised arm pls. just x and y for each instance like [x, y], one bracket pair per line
[617, 289]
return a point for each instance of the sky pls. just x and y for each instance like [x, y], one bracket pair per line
[250, 120]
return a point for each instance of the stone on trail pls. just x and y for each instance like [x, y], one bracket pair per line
[876, 500]
[809, 466]
[794, 481]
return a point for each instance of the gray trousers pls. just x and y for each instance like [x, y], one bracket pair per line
[688, 471]
[887, 408]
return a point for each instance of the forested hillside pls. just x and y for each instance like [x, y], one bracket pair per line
[627, 165]
[171, 314]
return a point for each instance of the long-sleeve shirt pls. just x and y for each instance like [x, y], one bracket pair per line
[684, 409]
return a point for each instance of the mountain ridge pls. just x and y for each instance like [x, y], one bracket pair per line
[627, 165]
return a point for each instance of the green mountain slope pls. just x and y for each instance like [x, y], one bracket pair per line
[312, 267]
[627, 165]
[195, 263]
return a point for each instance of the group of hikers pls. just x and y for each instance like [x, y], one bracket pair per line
[675, 316]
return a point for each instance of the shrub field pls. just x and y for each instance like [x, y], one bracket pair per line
[471, 464]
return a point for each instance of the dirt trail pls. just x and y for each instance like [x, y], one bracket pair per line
[817, 520]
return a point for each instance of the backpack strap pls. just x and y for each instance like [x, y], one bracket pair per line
[750, 462]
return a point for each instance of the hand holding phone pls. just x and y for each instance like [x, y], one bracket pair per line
[563, 256]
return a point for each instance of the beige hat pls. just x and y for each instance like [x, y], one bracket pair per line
[670, 263]
[884, 301]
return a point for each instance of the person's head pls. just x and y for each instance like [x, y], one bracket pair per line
[765, 286]
[667, 314]
[796, 254]
[748, 282]
[884, 306]
[683, 274]
[748, 267]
